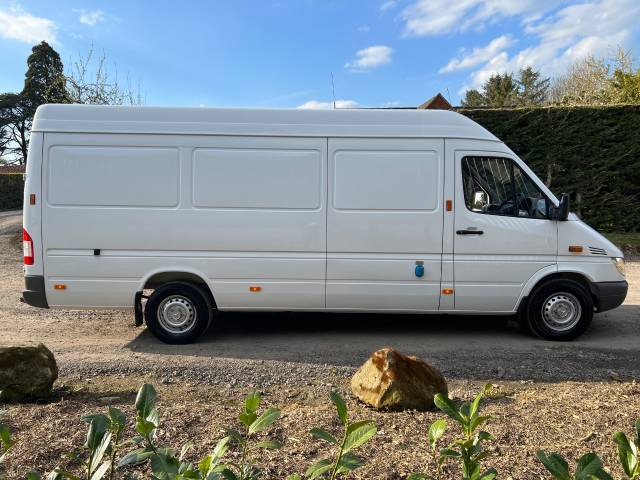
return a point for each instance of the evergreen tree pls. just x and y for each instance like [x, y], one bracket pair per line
[533, 90]
[501, 90]
[473, 99]
[44, 81]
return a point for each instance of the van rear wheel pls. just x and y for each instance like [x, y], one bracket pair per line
[178, 312]
[560, 309]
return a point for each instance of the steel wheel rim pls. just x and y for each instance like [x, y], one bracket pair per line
[561, 311]
[177, 314]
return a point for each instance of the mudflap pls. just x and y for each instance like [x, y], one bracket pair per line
[137, 308]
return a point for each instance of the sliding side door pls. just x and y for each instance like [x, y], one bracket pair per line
[384, 224]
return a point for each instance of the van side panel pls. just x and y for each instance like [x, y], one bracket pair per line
[236, 211]
[384, 217]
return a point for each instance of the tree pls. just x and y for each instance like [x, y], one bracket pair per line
[585, 83]
[532, 89]
[44, 81]
[473, 99]
[15, 125]
[625, 87]
[501, 90]
[90, 82]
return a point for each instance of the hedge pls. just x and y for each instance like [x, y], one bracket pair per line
[593, 153]
[11, 188]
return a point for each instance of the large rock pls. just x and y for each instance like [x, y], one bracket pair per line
[390, 380]
[27, 372]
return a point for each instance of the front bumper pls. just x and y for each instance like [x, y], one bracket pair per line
[609, 295]
[34, 293]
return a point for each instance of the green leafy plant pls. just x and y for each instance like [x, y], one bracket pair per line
[253, 424]
[165, 463]
[6, 441]
[467, 450]
[629, 452]
[355, 435]
[588, 467]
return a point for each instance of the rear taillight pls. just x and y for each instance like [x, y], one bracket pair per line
[27, 246]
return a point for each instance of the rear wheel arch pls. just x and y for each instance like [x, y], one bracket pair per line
[160, 278]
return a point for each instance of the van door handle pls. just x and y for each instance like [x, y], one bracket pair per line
[469, 232]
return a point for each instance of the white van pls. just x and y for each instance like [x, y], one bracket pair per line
[338, 210]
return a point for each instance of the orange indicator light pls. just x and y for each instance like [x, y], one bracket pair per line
[575, 248]
[255, 289]
[32, 199]
[60, 286]
[449, 205]
[447, 291]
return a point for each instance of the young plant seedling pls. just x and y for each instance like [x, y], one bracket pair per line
[468, 450]
[245, 469]
[355, 434]
[588, 467]
[629, 452]
[6, 441]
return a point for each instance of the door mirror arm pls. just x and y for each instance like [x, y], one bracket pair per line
[561, 212]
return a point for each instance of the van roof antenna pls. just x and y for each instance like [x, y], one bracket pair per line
[333, 91]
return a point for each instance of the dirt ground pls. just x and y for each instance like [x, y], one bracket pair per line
[296, 362]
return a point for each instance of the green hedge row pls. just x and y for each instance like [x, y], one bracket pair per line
[11, 188]
[593, 153]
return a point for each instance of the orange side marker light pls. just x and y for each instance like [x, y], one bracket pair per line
[32, 199]
[447, 291]
[59, 286]
[449, 205]
[575, 248]
[255, 289]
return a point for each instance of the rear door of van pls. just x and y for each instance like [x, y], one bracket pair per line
[384, 224]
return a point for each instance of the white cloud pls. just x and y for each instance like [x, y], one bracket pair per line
[17, 24]
[479, 54]
[370, 57]
[317, 105]
[388, 5]
[436, 17]
[91, 18]
[557, 37]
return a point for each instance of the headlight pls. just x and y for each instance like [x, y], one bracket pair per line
[619, 263]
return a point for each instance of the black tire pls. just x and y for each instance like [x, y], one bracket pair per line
[553, 299]
[191, 305]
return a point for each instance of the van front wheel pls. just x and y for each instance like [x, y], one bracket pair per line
[561, 309]
[178, 313]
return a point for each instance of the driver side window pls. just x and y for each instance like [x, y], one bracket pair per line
[497, 186]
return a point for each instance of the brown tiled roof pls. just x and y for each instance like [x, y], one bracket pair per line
[12, 169]
[437, 102]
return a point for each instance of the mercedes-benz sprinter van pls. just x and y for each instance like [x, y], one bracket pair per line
[305, 210]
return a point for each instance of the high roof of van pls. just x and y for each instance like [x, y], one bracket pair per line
[248, 121]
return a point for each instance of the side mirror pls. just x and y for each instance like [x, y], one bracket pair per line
[561, 212]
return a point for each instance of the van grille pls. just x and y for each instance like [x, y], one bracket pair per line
[597, 251]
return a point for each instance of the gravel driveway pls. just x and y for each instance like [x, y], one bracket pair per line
[292, 348]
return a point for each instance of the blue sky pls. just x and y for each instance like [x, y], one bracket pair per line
[281, 53]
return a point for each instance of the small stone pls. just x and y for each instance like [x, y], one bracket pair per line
[390, 380]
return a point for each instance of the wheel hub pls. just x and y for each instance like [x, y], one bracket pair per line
[561, 311]
[176, 314]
